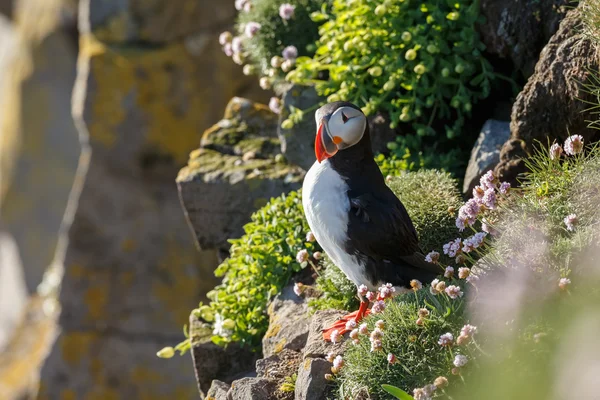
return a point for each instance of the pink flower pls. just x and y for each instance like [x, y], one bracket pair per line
[363, 329]
[376, 345]
[224, 38]
[228, 49]
[391, 358]
[460, 360]
[317, 255]
[432, 257]
[453, 247]
[330, 356]
[468, 330]
[472, 279]
[432, 288]
[487, 181]
[298, 288]
[563, 283]
[416, 284]
[335, 336]
[370, 296]
[555, 151]
[286, 11]
[354, 334]
[489, 199]
[446, 340]
[504, 187]
[338, 362]
[252, 29]
[570, 221]
[386, 291]
[380, 324]
[478, 192]
[236, 45]
[449, 272]
[376, 334]
[310, 237]
[351, 324]
[290, 53]
[463, 273]
[302, 256]
[275, 105]
[574, 145]
[362, 290]
[378, 307]
[453, 291]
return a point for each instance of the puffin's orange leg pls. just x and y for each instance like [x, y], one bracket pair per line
[340, 325]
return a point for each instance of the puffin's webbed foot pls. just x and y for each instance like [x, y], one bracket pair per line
[340, 325]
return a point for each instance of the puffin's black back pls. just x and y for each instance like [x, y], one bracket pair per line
[380, 231]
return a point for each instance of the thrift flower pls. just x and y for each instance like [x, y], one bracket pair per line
[330, 356]
[362, 290]
[351, 324]
[441, 286]
[440, 382]
[574, 145]
[504, 187]
[420, 321]
[570, 221]
[298, 288]
[380, 324]
[460, 360]
[286, 11]
[310, 237]
[446, 340]
[432, 287]
[487, 180]
[423, 313]
[563, 283]
[302, 256]
[478, 192]
[228, 49]
[265, 83]
[354, 334]
[275, 105]
[468, 330]
[252, 29]
[378, 307]
[370, 296]
[276, 62]
[335, 336]
[290, 53]
[449, 272]
[463, 273]
[386, 291]
[236, 45]
[391, 358]
[461, 259]
[287, 65]
[555, 151]
[338, 362]
[472, 279]
[419, 394]
[462, 339]
[363, 329]
[317, 255]
[376, 334]
[376, 345]
[452, 248]
[239, 4]
[225, 37]
[432, 257]
[489, 199]
[328, 377]
[416, 285]
[453, 291]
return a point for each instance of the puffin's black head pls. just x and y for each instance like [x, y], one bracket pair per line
[340, 125]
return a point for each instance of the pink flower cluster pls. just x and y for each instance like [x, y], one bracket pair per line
[573, 145]
[485, 197]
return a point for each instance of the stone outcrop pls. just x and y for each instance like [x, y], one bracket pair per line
[517, 30]
[132, 272]
[235, 171]
[553, 103]
[486, 152]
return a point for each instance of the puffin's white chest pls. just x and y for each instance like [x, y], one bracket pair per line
[326, 205]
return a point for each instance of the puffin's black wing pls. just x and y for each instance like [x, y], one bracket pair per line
[382, 234]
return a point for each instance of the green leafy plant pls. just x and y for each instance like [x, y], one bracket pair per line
[260, 264]
[289, 384]
[397, 392]
[418, 61]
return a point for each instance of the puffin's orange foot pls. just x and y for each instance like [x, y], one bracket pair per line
[340, 325]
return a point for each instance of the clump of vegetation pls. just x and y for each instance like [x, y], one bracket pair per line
[431, 199]
[267, 30]
[418, 61]
[417, 341]
[261, 263]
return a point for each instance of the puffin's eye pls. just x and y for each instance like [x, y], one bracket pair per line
[344, 118]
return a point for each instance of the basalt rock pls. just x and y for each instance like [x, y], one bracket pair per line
[236, 170]
[553, 103]
[518, 29]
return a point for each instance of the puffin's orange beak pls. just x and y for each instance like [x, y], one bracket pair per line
[324, 144]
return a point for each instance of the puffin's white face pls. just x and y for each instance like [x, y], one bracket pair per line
[337, 131]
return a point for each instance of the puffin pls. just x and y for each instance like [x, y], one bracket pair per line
[356, 218]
